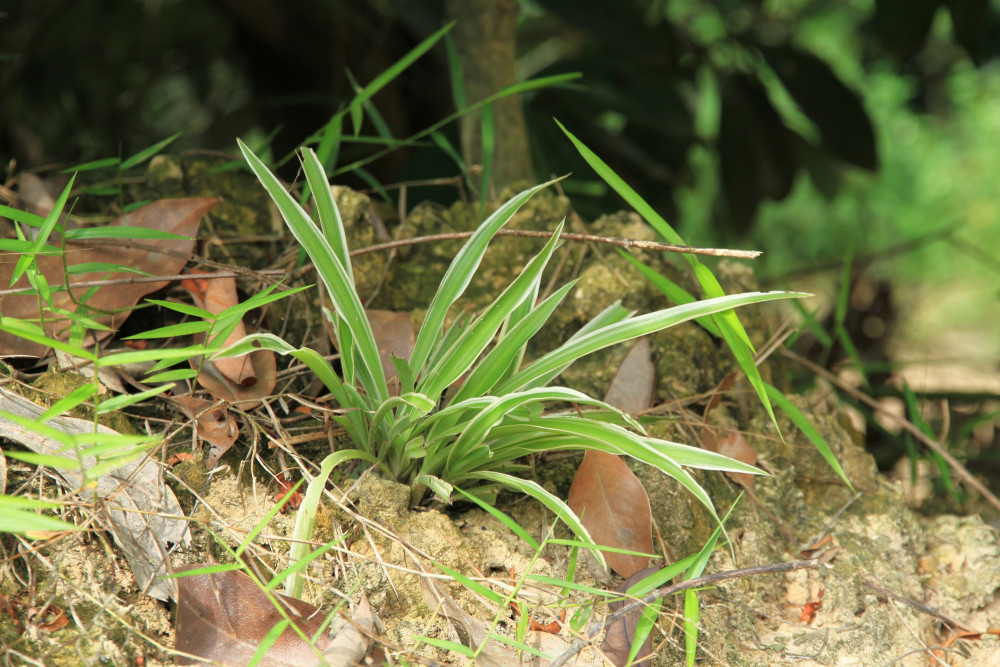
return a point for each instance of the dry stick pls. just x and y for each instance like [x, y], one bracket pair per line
[919, 606]
[584, 238]
[907, 426]
[238, 272]
[649, 598]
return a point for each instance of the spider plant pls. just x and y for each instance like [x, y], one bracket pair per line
[467, 409]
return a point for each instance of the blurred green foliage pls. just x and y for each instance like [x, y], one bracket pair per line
[869, 122]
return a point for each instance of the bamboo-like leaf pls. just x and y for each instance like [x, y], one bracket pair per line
[125, 400]
[174, 330]
[119, 232]
[68, 402]
[42, 235]
[17, 516]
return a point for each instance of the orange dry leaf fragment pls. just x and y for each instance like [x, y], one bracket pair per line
[552, 628]
[285, 487]
[809, 609]
[57, 623]
[178, 457]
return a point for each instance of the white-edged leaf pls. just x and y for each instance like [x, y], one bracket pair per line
[460, 273]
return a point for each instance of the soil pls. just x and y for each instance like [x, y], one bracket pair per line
[890, 584]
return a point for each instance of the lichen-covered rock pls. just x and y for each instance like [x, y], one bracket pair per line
[873, 545]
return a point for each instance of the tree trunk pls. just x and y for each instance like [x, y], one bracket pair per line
[486, 38]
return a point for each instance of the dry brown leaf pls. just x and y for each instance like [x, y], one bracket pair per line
[734, 445]
[141, 509]
[178, 216]
[395, 337]
[618, 639]
[215, 296]
[609, 499]
[223, 617]
[614, 508]
[213, 425]
[631, 389]
[245, 379]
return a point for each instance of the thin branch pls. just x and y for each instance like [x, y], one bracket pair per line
[583, 238]
[698, 582]
[905, 424]
[239, 272]
[919, 606]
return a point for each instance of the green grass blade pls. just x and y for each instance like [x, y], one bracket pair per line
[808, 430]
[147, 153]
[328, 148]
[558, 507]
[391, 73]
[671, 290]
[306, 518]
[326, 208]
[477, 429]
[491, 369]
[487, 129]
[93, 165]
[455, 73]
[728, 324]
[512, 525]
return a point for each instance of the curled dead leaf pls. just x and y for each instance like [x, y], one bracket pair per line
[214, 425]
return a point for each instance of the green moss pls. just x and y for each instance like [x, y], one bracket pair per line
[53, 385]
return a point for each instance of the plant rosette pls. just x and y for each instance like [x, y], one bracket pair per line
[472, 437]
